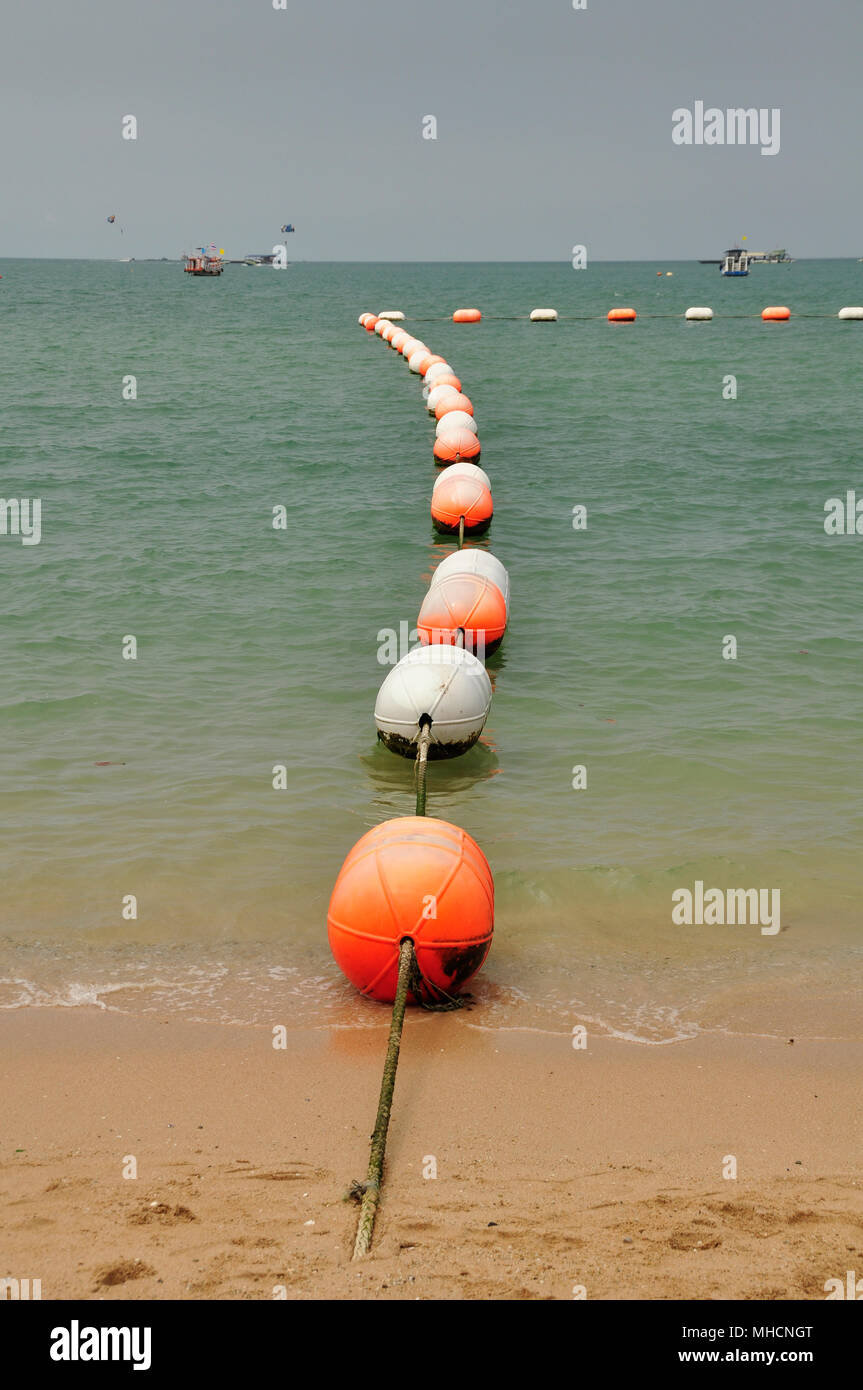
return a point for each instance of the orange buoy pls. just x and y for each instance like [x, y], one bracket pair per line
[371, 320]
[445, 379]
[453, 400]
[433, 361]
[468, 603]
[456, 447]
[622, 316]
[459, 497]
[466, 316]
[382, 895]
[775, 313]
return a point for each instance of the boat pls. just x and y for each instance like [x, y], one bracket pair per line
[201, 263]
[735, 262]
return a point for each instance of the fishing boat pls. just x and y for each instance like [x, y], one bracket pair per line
[203, 263]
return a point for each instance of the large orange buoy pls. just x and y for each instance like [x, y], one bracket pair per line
[775, 313]
[622, 316]
[466, 316]
[459, 497]
[453, 400]
[371, 320]
[468, 603]
[383, 894]
[456, 446]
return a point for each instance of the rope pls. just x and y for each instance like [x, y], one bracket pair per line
[371, 1188]
[422, 763]
[461, 533]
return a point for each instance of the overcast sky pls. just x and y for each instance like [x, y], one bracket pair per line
[553, 127]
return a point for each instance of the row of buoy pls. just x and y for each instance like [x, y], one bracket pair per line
[440, 692]
[696, 313]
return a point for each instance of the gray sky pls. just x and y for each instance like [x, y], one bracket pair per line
[554, 127]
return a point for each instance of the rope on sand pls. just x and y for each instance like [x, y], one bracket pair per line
[371, 1188]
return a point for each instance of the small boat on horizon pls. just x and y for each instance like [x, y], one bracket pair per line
[202, 263]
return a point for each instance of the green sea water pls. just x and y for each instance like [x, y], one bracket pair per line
[258, 647]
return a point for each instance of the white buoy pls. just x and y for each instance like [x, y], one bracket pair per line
[394, 315]
[455, 420]
[543, 315]
[380, 326]
[851, 311]
[416, 358]
[473, 561]
[463, 470]
[448, 684]
[698, 311]
[436, 394]
[438, 369]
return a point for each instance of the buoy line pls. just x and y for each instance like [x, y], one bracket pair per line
[848, 314]
[432, 704]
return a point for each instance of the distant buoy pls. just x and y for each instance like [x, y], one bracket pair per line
[543, 315]
[436, 370]
[446, 683]
[698, 311]
[466, 316]
[473, 561]
[669, 272]
[457, 446]
[622, 316]
[418, 361]
[383, 892]
[461, 497]
[394, 315]
[362, 319]
[455, 401]
[439, 393]
[775, 313]
[467, 603]
[852, 311]
[463, 470]
[455, 420]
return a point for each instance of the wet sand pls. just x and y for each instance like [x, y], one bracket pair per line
[557, 1168]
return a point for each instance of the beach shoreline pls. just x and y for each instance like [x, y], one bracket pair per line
[557, 1168]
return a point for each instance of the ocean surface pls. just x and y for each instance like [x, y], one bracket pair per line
[258, 647]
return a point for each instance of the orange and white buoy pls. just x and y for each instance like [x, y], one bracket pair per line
[382, 895]
[457, 498]
[622, 316]
[454, 401]
[775, 313]
[466, 316]
[455, 420]
[468, 604]
[455, 446]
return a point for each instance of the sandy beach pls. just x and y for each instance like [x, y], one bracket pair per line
[556, 1167]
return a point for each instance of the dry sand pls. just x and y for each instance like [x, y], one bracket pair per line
[555, 1167]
